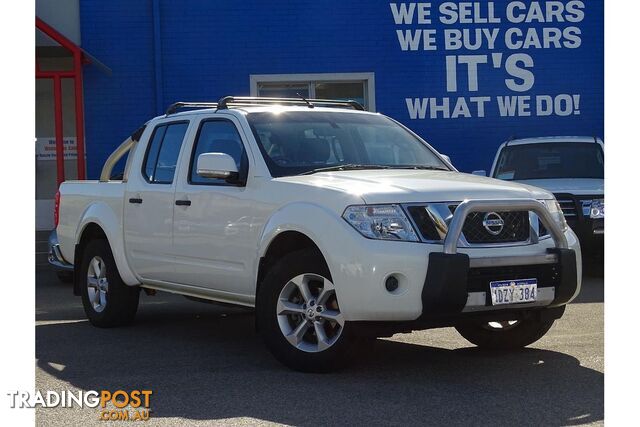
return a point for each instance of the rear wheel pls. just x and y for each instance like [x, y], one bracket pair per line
[504, 335]
[107, 300]
[299, 317]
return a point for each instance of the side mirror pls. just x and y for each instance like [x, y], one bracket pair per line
[447, 158]
[216, 165]
[480, 172]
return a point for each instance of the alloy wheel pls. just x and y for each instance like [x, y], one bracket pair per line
[97, 284]
[308, 313]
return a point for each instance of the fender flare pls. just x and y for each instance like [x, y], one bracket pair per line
[323, 223]
[102, 214]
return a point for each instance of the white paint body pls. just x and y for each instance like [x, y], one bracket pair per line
[212, 248]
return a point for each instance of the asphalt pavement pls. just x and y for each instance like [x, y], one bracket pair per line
[206, 365]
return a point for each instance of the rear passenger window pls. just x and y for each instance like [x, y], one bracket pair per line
[218, 136]
[162, 154]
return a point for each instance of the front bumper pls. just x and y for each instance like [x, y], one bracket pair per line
[446, 283]
[452, 287]
[55, 258]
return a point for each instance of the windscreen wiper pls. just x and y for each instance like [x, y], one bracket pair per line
[345, 167]
[423, 167]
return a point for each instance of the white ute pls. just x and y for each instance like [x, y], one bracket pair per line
[336, 224]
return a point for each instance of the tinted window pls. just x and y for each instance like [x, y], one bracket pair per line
[218, 136]
[551, 160]
[298, 142]
[162, 154]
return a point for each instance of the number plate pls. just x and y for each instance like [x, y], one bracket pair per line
[513, 291]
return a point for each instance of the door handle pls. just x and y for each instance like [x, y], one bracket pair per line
[183, 202]
[135, 200]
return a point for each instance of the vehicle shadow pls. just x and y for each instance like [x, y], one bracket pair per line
[206, 363]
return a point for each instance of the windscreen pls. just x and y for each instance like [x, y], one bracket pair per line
[298, 141]
[550, 160]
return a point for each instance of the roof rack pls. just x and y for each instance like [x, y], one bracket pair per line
[224, 103]
[184, 104]
[228, 101]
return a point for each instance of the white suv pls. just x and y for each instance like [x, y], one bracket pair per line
[572, 168]
[335, 223]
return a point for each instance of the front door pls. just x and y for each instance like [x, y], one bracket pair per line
[215, 228]
[148, 210]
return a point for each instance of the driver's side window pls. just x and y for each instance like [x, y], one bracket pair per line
[218, 136]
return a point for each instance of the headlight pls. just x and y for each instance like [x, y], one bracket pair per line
[597, 209]
[556, 213]
[386, 222]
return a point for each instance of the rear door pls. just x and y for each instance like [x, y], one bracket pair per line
[148, 203]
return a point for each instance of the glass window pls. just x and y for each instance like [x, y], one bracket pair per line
[346, 91]
[299, 142]
[152, 152]
[550, 160]
[218, 136]
[284, 90]
[162, 154]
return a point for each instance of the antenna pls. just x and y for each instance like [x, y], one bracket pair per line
[305, 100]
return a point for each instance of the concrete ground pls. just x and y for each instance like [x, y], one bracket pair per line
[205, 365]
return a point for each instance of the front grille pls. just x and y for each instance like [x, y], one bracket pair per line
[515, 228]
[423, 222]
[575, 208]
[547, 275]
[568, 207]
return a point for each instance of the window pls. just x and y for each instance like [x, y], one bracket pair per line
[300, 141]
[284, 90]
[218, 136]
[344, 86]
[162, 154]
[551, 160]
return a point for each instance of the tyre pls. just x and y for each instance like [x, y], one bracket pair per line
[504, 335]
[65, 276]
[299, 317]
[108, 302]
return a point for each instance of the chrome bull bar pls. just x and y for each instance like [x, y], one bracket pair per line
[504, 205]
[446, 287]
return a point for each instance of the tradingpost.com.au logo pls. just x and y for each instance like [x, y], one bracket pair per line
[133, 405]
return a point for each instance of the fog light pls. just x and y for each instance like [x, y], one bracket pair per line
[391, 283]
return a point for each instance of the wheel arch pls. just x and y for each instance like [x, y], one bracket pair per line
[302, 224]
[281, 244]
[100, 221]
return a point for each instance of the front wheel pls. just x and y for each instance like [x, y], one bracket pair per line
[504, 335]
[299, 317]
[107, 300]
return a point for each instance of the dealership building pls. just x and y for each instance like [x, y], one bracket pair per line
[466, 76]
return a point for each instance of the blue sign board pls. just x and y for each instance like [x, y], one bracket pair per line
[466, 76]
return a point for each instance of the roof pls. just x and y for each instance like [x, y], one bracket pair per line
[553, 139]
